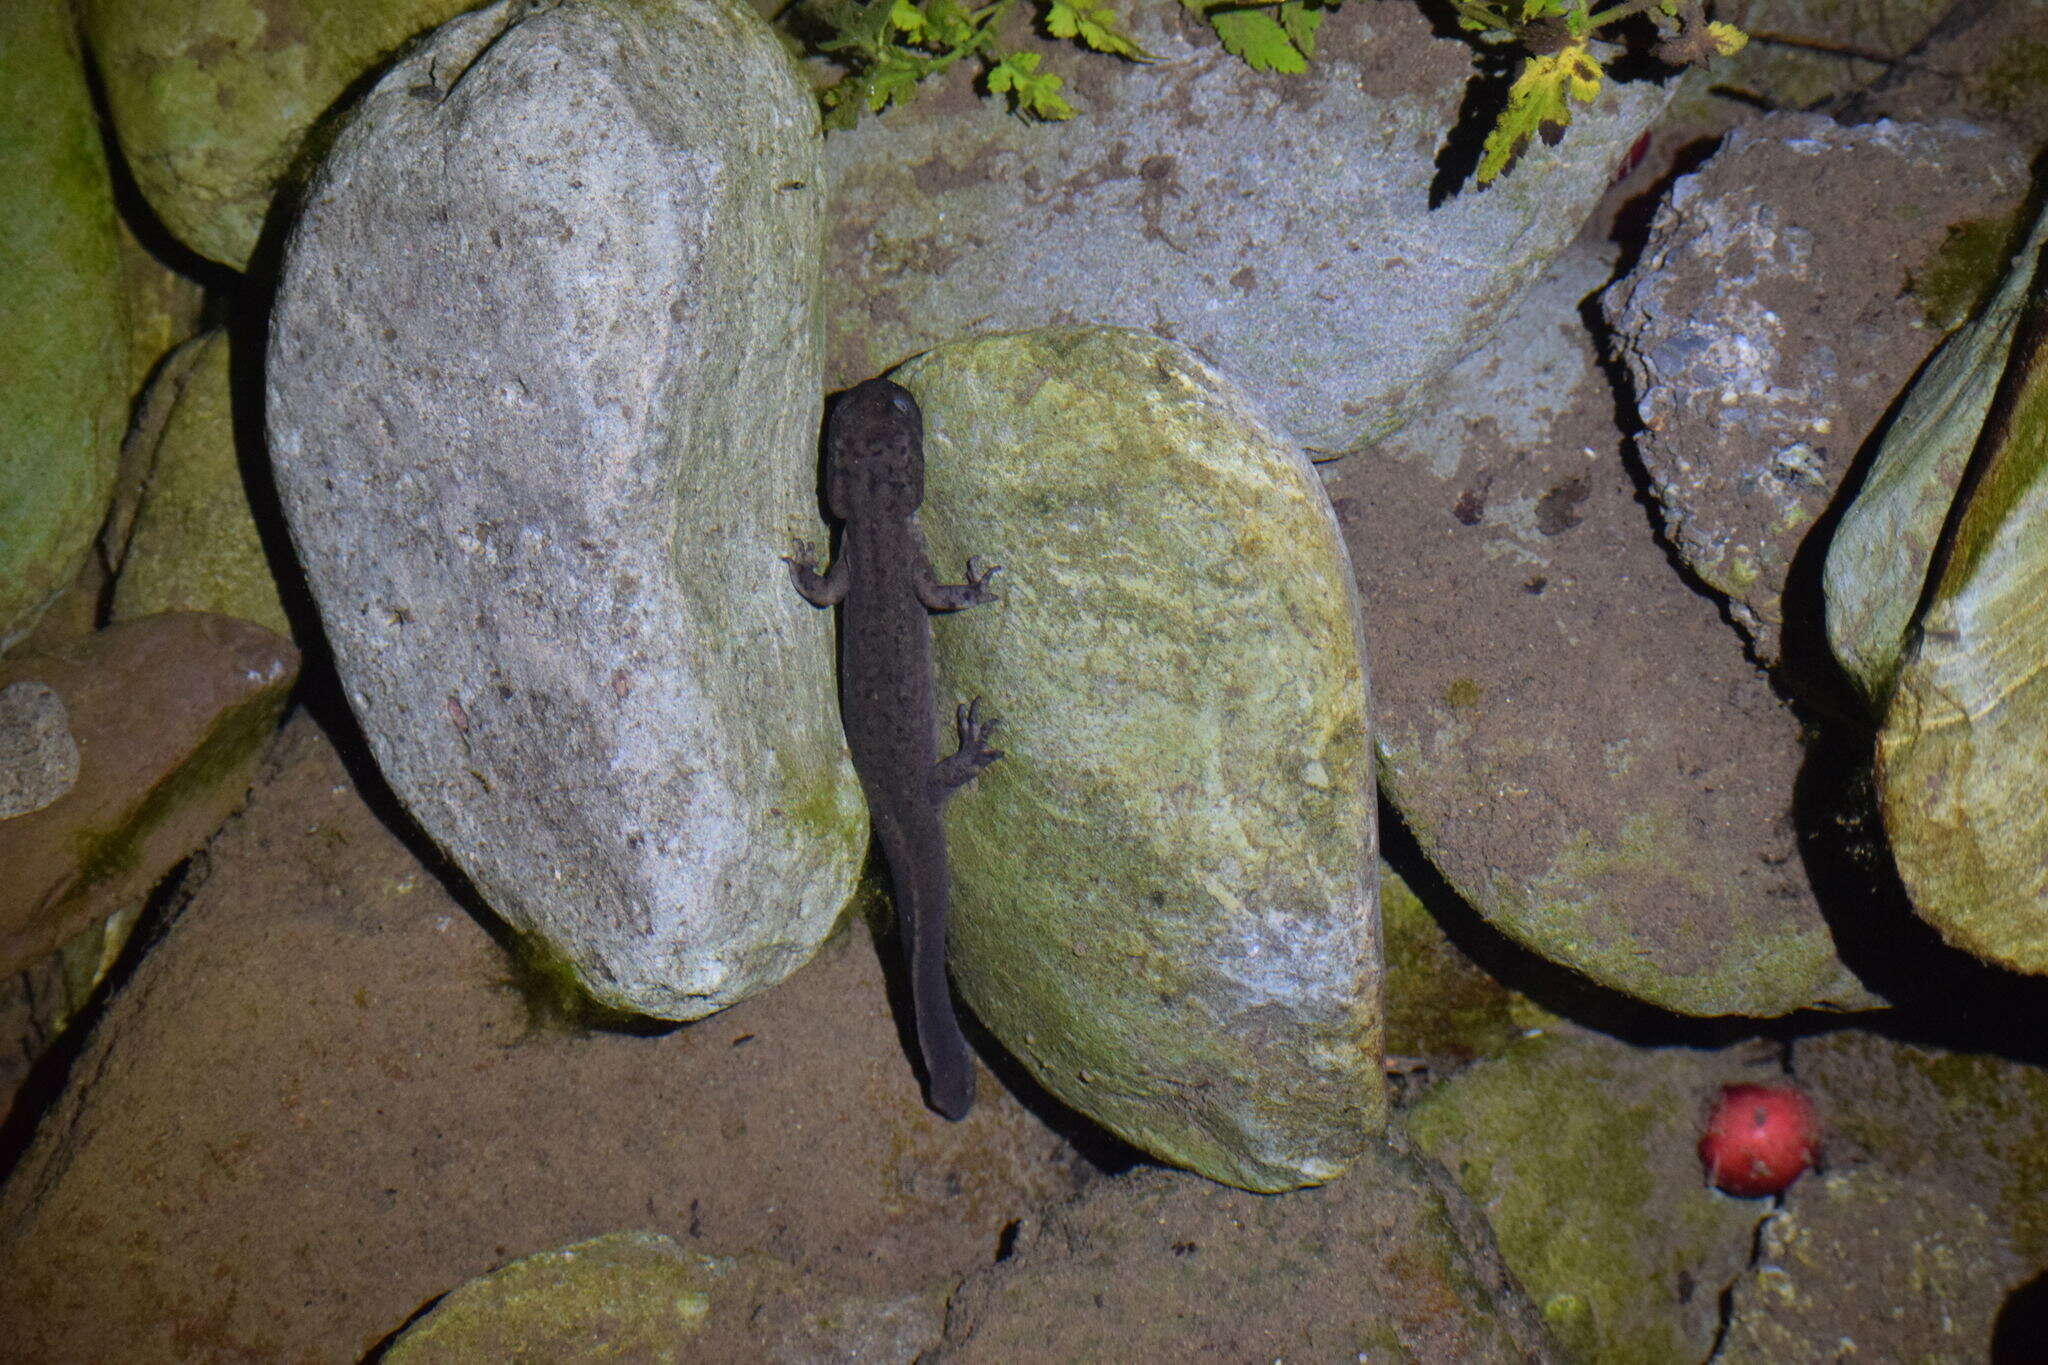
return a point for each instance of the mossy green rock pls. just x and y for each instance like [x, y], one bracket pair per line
[1965, 740]
[1165, 893]
[1442, 1008]
[63, 371]
[211, 99]
[1878, 560]
[1581, 1152]
[626, 1296]
[195, 545]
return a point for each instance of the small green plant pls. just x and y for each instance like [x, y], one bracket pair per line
[889, 46]
[1562, 66]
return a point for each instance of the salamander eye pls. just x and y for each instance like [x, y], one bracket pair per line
[901, 402]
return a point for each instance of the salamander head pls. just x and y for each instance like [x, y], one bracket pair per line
[874, 452]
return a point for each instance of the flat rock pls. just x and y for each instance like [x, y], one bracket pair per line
[1879, 555]
[194, 545]
[1165, 894]
[1982, 61]
[543, 404]
[1772, 320]
[1281, 227]
[640, 1293]
[125, 752]
[650, 1299]
[63, 367]
[1573, 736]
[212, 99]
[1858, 1261]
[1581, 1152]
[317, 1105]
[1958, 1128]
[1389, 1263]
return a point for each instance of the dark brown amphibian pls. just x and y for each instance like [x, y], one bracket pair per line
[883, 581]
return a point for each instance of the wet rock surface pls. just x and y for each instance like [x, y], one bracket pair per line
[328, 1105]
[1878, 557]
[1860, 1261]
[1765, 346]
[1200, 200]
[1165, 893]
[541, 451]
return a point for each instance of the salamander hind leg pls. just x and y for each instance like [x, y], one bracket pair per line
[967, 762]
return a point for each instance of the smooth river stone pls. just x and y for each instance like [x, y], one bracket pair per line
[1166, 896]
[1965, 740]
[212, 99]
[1878, 559]
[1297, 232]
[63, 360]
[1573, 736]
[544, 404]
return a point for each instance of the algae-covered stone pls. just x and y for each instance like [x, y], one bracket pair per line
[195, 545]
[168, 716]
[1165, 894]
[543, 405]
[212, 98]
[1965, 740]
[1442, 1008]
[1580, 1150]
[1390, 1263]
[626, 1296]
[1878, 560]
[1293, 230]
[63, 376]
[1860, 1261]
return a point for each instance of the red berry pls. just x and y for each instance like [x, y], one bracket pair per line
[1759, 1139]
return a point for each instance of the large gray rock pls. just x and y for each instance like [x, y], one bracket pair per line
[1166, 893]
[1575, 738]
[543, 401]
[1773, 320]
[1281, 227]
